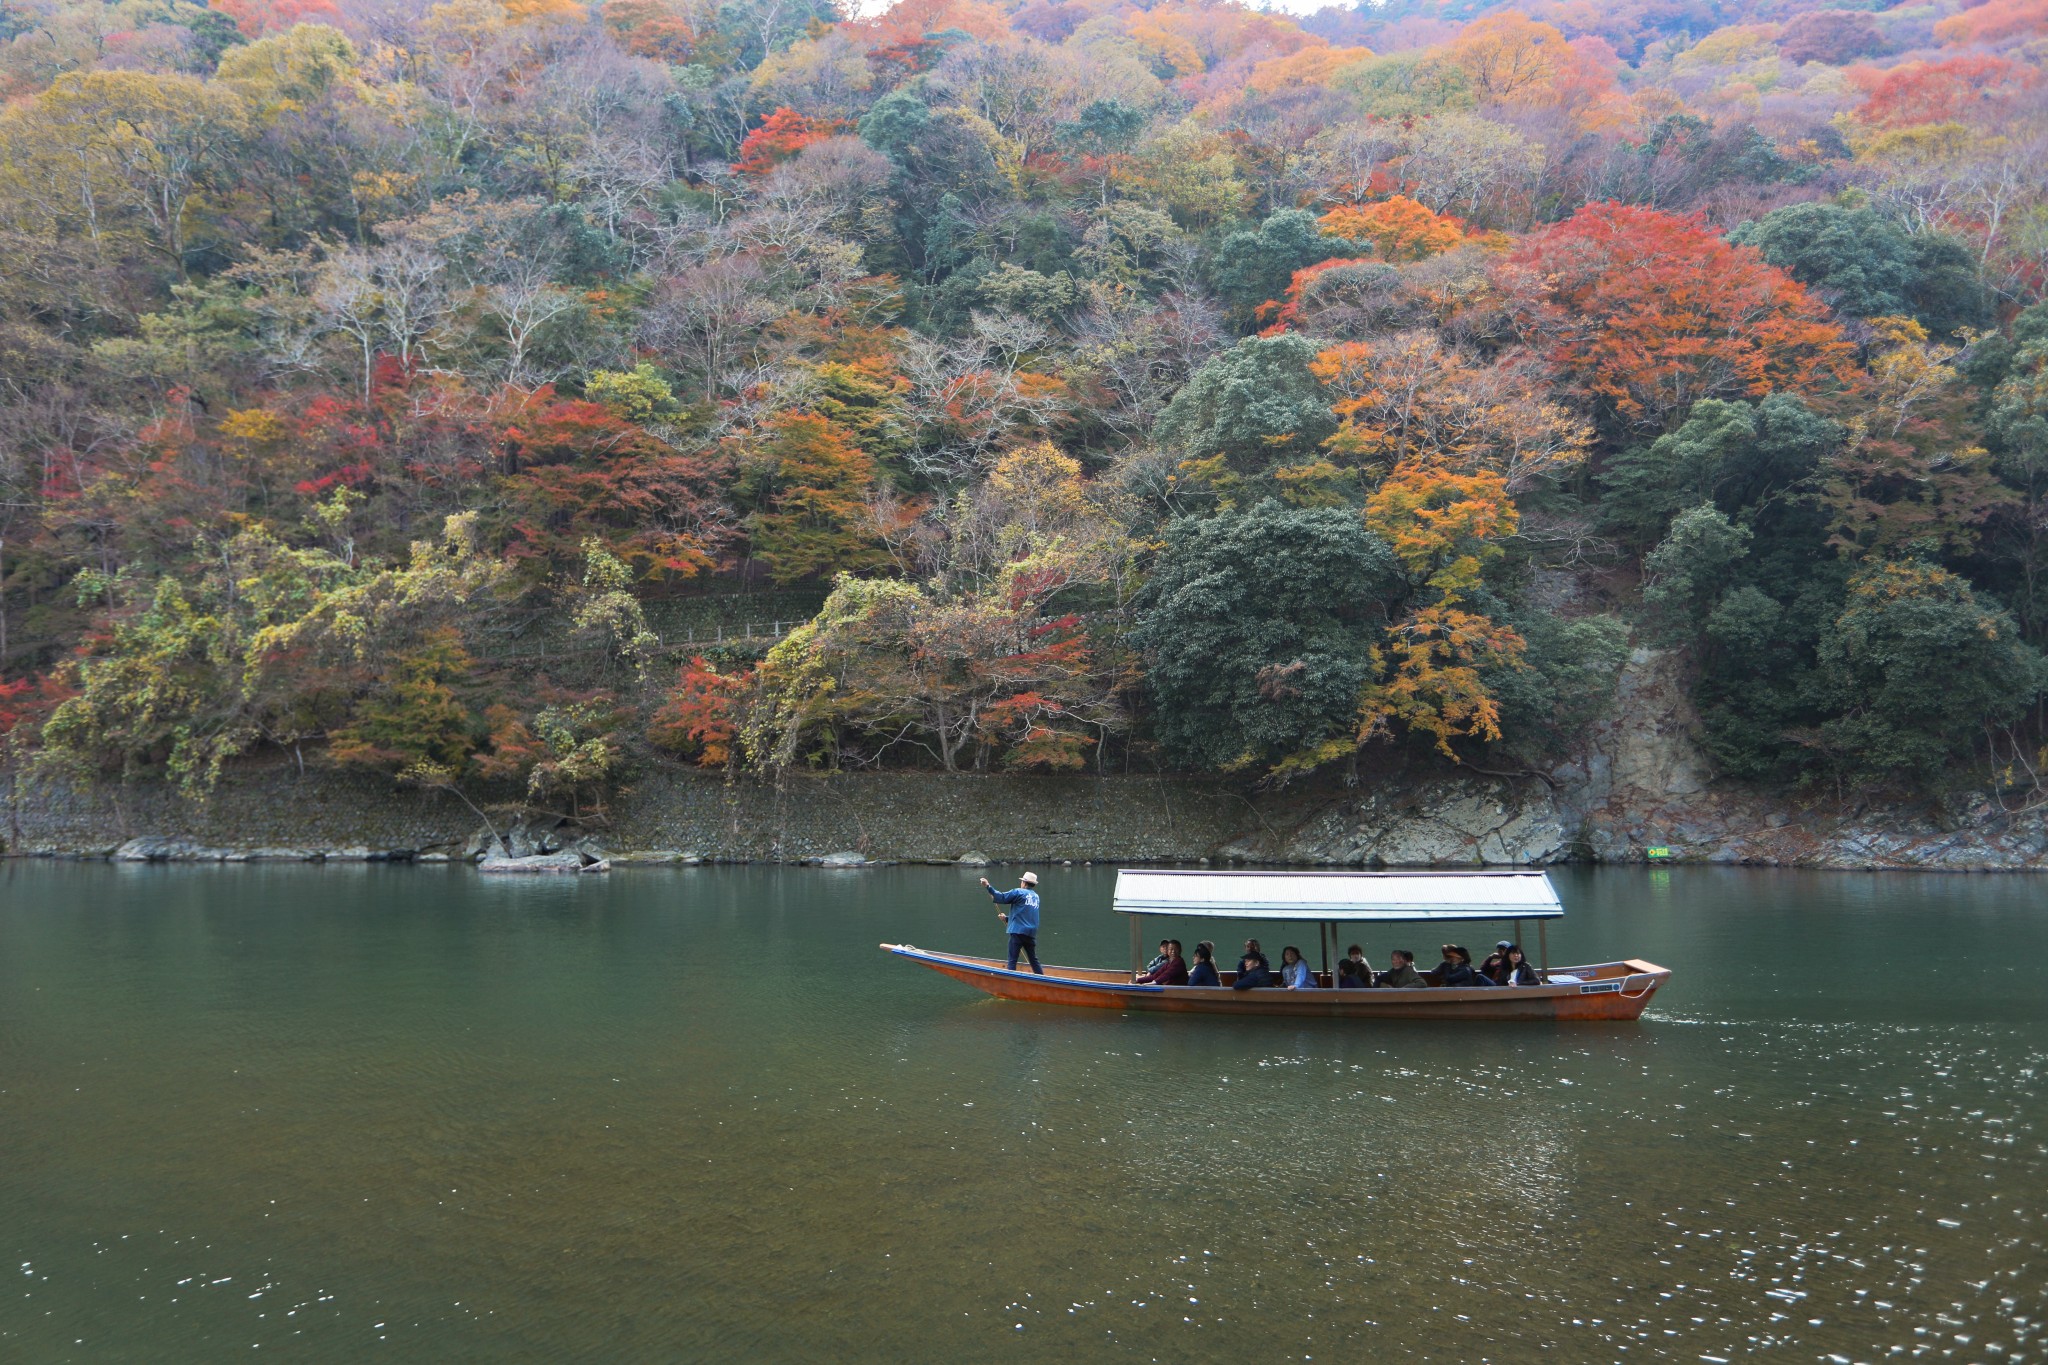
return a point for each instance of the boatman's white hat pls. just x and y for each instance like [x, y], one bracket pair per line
[1030, 879]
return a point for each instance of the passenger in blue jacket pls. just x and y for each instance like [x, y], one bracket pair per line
[1022, 918]
[1456, 969]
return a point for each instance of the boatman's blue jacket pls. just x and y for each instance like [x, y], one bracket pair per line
[1024, 914]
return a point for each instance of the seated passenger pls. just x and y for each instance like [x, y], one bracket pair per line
[1356, 956]
[1294, 973]
[1252, 969]
[1500, 950]
[1351, 976]
[1403, 972]
[1159, 961]
[1204, 971]
[1513, 969]
[1455, 969]
[1172, 972]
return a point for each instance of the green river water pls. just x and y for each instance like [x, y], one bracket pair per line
[389, 1113]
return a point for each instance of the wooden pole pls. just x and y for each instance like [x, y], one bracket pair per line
[1326, 933]
[1543, 947]
[1136, 961]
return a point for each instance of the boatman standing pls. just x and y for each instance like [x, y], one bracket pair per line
[1022, 918]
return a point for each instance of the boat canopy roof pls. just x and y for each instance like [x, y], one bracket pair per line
[1342, 896]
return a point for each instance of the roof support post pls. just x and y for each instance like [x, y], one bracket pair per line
[1543, 947]
[1136, 961]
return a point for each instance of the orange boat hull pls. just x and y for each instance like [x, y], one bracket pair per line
[1608, 991]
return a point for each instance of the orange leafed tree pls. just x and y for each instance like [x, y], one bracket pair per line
[781, 136]
[910, 20]
[1285, 311]
[1649, 313]
[1913, 93]
[1213, 49]
[1440, 523]
[1996, 22]
[258, 17]
[577, 471]
[1410, 398]
[651, 28]
[1058, 691]
[544, 11]
[816, 521]
[1402, 229]
[700, 716]
[1430, 676]
[1308, 68]
[1510, 56]
[1166, 48]
[1373, 399]
[1585, 86]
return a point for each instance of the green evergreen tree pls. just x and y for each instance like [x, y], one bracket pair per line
[1257, 626]
[1914, 669]
[1247, 409]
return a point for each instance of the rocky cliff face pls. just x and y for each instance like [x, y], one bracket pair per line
[1639, 782]
[1446, 822]
[1643, 783]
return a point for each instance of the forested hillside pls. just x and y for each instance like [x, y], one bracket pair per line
[1175, 386]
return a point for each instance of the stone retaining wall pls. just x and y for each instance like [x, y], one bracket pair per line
[272, 811]
[1637, 783]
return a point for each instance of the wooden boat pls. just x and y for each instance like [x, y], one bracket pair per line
[1596, 991]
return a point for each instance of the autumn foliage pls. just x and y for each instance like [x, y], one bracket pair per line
[1916, 93]
[1995, 21]
[815, 484]
[258, 17]
[1443, 527]
[700, 717]
[781, 136]
[1653, 312]
[501, 396]
[1402, 229]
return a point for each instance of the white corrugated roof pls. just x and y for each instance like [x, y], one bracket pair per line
[1343, 896]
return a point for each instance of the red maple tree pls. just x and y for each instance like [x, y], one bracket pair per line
[781, 136]
[1649, 313]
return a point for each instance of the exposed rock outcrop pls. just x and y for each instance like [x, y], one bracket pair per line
[1443, 823]
[1643, 783]
[544, 864]
[1640, 786]
[844, 858]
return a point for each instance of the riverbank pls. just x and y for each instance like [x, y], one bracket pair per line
[273, 813]
[1638, 788]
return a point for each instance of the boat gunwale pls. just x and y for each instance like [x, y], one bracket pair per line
[1634, 967]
